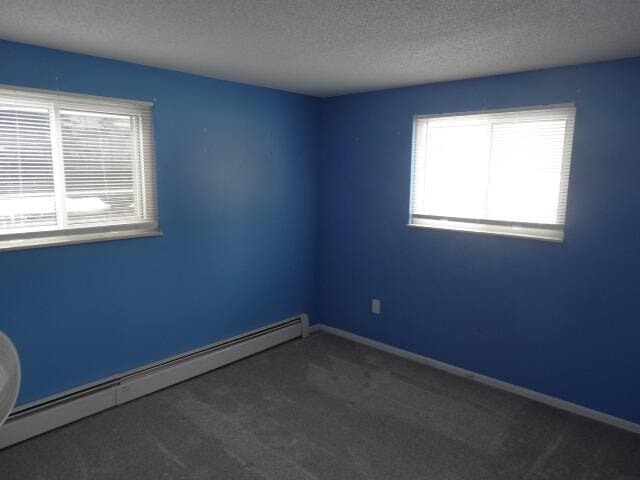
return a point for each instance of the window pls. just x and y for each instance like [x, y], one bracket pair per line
[503, 172]
[74, 168]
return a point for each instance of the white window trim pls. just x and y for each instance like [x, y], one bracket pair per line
[81, 236]
[546, 232]
[52, 236]
[535, 231]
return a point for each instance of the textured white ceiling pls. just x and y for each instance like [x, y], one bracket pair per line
[326, 48]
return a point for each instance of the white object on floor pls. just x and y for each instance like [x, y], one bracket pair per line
[9, 376]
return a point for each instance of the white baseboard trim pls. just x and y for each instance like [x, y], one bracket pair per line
[116, 390]
[493, 382]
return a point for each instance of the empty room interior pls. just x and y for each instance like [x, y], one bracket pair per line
[360, 240]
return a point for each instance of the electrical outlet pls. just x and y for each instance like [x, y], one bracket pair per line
[375, 306]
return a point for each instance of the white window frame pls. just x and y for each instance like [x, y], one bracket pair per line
[141, 114]
[540, 231]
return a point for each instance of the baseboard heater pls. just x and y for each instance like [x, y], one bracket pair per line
[66, 408]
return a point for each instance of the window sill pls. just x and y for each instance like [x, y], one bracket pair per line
[75, 238]
[536, 233]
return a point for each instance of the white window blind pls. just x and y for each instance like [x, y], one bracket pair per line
[74, 168]
[503, 172]
[26, 169]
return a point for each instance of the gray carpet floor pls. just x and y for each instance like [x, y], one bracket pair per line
[326, 408]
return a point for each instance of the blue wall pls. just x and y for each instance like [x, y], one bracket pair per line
[562, 319]
[245, 228]
[236, 183]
